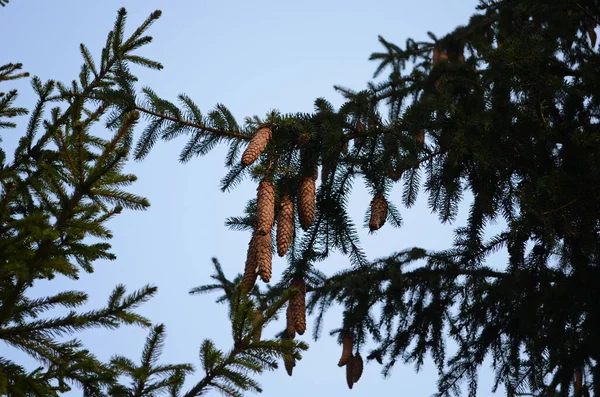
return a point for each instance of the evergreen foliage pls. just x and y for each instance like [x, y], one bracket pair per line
[504, 108]
[56, 195]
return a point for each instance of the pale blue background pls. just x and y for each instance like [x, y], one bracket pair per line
[252, 56]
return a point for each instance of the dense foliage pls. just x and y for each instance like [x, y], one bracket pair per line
[503, 109]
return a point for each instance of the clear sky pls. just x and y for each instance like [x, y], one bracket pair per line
[252, 56]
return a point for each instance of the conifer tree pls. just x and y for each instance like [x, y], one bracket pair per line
[504, 108]
[57, 193]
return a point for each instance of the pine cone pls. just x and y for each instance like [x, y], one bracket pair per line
[324, 173]
[290, 321]
[299, 305]
[421, 137]
[350, 372]
[315, 174]
[345, 147]
[258, 317]
[379, 212]
[592, 34]
[303, 139]
[357, 367]
[265, 207]
[439, 55]
[578, 381]
[285, 225]
[264, 256]
[289, 363]
[306, 202]
[395, 174]
[347, 345]
[257, 145]
[250, 270]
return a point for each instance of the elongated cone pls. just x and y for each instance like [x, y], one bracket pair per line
[258, 317]
[578, 381]
[264, 256]
[347, 345]
[299, 305]
[257, 145]
[315, 174]
[289, 363]
[285, 225]
[350, 372]
[592, 35]
[421, 137]
[324, 173]
[290, 321]
[379, 212]
[357, 367]
[306, 202]
[345, 147]
[250, 270]
[265, 207]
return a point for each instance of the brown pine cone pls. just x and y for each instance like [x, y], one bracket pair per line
[395, 174]
[315, 174]
[290, 321]
[578, 381]
[439, 55]
[379, 212]
[345, 147]
[306, 202]
[350, 372]
[264, 256]
[421, 137]
[257, 145]
[285, 225]
[357, 367]
[258, 317]
[299, 305]
[265, 207]
[347, 345]
[303, 139]
[250, 270]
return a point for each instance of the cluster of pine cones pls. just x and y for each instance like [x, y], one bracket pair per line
[260, 256]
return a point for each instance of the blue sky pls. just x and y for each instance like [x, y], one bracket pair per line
[252, 56]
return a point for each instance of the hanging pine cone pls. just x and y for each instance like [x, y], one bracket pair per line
[285, 225]
[379, 212]
[303, 139]
[439, 55]
[395, 173]
[289, 363]
[347, 345]
[265, 207]
[264, 256]
[290, 320]
[315, 174]
[306, 202]
[299, 305]
[350, 372]
[345, 147]
[324, 173]
[258, 317]
[590, 27]
[357, 367]
[578, 381]
[421, 137]
[257, 145]
[250, 270]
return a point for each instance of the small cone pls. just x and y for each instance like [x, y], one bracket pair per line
[250, 270]
[379, 212]
[357, 367]
[345, 147]
[395, 174]
[290, 321]
[324, 173]
[299, 305]
[285, 225]
[265, 207]
[421, 137]
[578, 381]
[350, 372]
[315, 174]
[439, 55]
[258, 317]
[257, 145]
[289, 363]
[347, 344]
[303, 139]
[264, 256]
[592, 35]
[306, 202]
